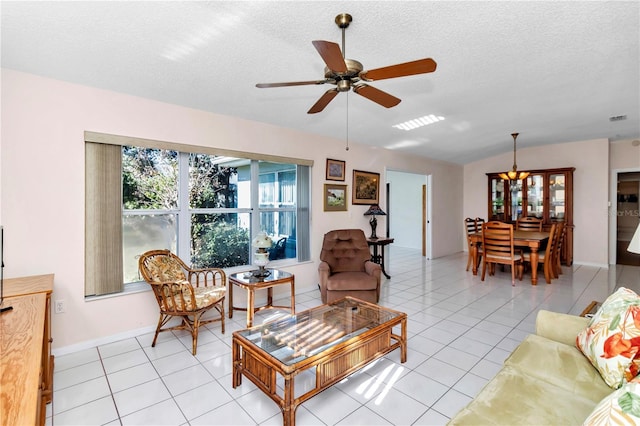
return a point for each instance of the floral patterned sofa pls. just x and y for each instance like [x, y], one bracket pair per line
[572, 371]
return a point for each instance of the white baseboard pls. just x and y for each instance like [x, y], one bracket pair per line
[88, 344]
[595, 265]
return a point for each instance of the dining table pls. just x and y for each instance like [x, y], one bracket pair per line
[532, 240]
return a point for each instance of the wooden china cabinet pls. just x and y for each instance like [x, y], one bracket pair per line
[546, 194]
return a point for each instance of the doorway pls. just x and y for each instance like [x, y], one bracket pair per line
[627, 216]
[408, 210]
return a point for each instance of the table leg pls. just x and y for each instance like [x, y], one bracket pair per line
[534, 265]
[270, 296]
[474, 256]
[403, 345]
[382, 262]
[237, 375]
[250, 302]
[293, 296]
[230, 300]
[288, 409]
[379, 259]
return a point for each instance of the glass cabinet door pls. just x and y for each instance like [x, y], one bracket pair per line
[535, 196]
[497, 199]
[516, 199]
[557, 197]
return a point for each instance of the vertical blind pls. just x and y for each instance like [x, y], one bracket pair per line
[103, 219]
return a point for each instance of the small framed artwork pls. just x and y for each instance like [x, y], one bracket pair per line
[366, 187]
[335, 197]
[335, 169]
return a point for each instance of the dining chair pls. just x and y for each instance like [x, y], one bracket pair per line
[557, 254]
[470, 226]
[529, 224]
[497, 246]
[183, 292]
[546, 257]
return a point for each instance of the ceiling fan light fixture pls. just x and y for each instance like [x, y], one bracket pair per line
[343, 85]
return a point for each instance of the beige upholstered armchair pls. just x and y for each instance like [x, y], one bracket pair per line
[183, 292]
[346, 268]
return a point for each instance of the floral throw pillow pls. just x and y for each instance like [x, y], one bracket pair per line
[621, 407]
[611, 341]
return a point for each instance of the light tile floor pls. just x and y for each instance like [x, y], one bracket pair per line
[460, 331]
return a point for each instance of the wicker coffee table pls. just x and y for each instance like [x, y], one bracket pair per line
[334, 340]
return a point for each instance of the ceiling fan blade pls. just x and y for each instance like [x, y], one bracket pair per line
[331, 55]
[376, 95]
[323, 101]
[421, 66]
[291, 83]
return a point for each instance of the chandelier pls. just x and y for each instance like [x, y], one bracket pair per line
[514, 174]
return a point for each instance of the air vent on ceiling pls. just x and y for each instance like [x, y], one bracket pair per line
[618, 118]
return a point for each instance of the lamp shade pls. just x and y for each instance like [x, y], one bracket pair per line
[261, 240]
[375, 210]
[634, 245]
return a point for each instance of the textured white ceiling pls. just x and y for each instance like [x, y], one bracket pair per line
[555, 71]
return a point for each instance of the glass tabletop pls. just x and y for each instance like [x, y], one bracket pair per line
[249, 278]
[299, 336]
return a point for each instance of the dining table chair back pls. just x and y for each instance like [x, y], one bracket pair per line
[529, 224]
[557, 254]
[498, 248]
[547, 257]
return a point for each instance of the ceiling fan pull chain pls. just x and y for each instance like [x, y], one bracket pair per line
[347, 148]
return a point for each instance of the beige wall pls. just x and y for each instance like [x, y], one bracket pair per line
[624, 155]
[591, 160]
[42, 192]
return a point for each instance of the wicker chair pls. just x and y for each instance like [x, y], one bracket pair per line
[183, 292]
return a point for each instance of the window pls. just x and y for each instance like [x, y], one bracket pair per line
[202, 206]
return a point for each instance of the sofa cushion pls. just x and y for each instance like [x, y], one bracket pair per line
[514, 397]
[560, 365]
[612, 340]
[621, 407]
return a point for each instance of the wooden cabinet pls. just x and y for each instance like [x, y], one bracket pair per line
[26, 374]
[546, 194]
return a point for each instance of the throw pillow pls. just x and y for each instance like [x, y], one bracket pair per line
[621, 407]
[611, 341]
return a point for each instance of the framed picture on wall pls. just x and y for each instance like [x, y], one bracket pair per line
[335, 169]
[335, 197]
[366, 187]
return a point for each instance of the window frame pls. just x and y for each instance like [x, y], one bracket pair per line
[184, 210]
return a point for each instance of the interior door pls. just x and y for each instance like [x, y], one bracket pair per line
[425, 221]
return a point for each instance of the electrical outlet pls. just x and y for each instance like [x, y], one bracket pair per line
[59, 308]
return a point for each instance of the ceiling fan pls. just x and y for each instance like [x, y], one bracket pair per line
[348, 74]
